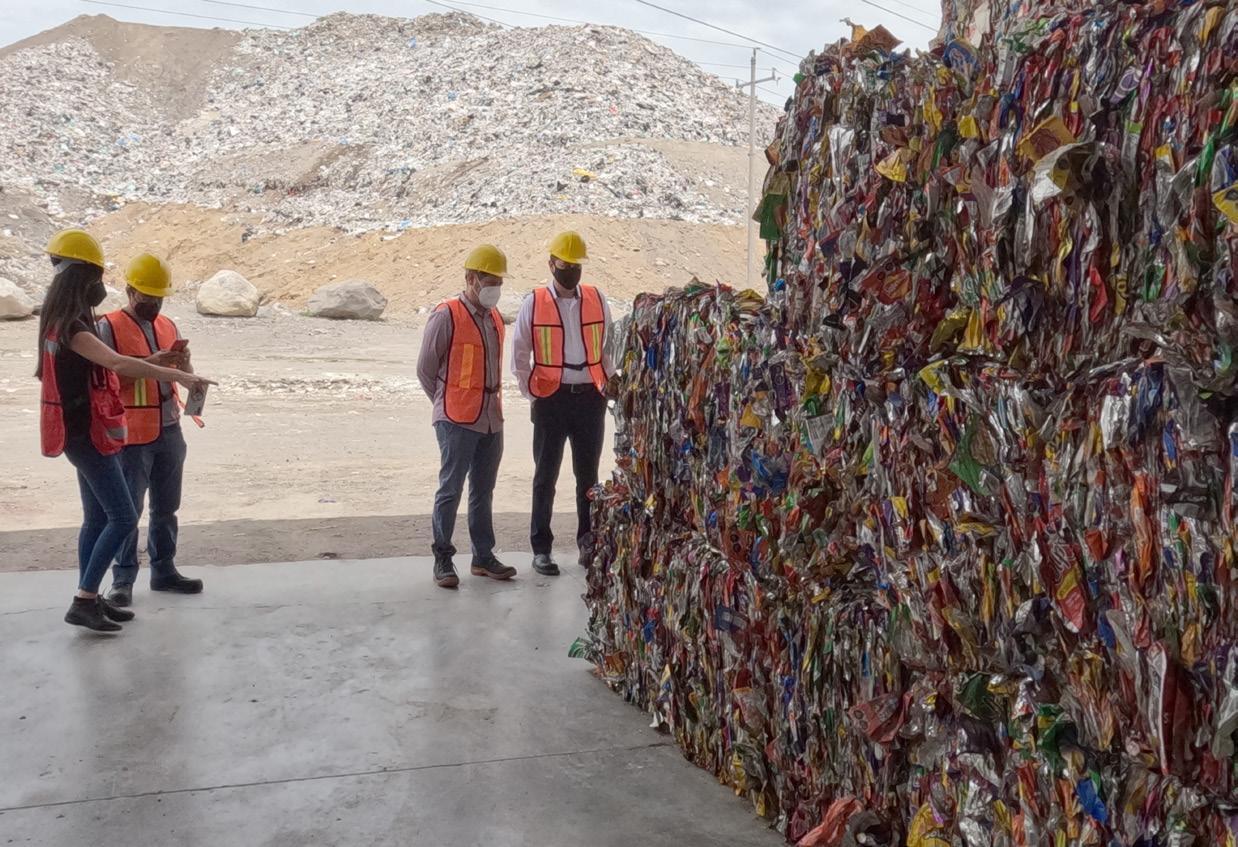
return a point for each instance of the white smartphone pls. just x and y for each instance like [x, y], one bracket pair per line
[196, 402]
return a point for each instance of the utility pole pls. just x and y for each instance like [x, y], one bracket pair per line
[751, 85]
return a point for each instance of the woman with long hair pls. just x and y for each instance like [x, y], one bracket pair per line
[82, 416]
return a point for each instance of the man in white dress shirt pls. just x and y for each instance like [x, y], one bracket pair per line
[560, 361]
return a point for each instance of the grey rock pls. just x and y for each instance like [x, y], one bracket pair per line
[350, 300]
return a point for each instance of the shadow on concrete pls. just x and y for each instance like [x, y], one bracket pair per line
[253, 542]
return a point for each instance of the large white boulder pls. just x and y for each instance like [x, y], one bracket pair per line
[15, 304]
[228, 295]
[351, 300]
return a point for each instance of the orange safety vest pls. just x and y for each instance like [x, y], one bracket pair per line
[107, 414]
[548, 362]
[465, 389]
[143, 408]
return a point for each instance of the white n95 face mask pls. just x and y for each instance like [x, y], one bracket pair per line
[489, 295]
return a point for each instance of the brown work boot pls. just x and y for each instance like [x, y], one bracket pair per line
[492, 568]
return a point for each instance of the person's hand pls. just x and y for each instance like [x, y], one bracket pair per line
[612, 387]
[192, 381]
[166, 359]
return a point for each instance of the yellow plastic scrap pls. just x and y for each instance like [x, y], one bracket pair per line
[1044, 138]
[1226, 200]
[925, 831]
[893, 167]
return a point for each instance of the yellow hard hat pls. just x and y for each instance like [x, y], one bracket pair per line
[569, 247]
[487, 259]
[76, 244]
[149, 275]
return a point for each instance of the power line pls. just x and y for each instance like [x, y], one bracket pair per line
[892, 12]
[183, 14]
[466, 12]
[720, 65]
[260, 8]
[911, 6]
[595, 23]
[718, 28]
[457, 3]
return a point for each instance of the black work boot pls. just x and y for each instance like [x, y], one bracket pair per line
[445, 572]
[175, 583]
[543, 564]
[88, 613]
[113, 612]
[492, 568]
[121, 596]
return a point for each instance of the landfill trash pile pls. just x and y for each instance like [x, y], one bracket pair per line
[363, 122]
[936, 546]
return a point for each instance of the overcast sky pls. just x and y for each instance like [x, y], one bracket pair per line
[795, 26]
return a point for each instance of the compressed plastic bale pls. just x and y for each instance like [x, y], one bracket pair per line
[946, 524]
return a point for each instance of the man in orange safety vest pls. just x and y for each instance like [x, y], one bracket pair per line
[561, 364]
[154, 456]
[460, 370]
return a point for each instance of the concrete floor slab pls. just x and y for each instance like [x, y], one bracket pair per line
[334, 703]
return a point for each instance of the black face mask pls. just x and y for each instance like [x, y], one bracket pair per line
[147, 310]
[96, 295]
[569, 278]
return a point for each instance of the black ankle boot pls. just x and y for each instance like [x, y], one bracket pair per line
[113, 612]
[176, 584]
[88, 613]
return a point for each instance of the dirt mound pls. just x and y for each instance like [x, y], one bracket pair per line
[364, 122]
[173, 62]
[419, 267]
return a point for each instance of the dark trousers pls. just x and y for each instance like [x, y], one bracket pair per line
[107, 510]
[578, 417]
[156, 469]
[475, 456]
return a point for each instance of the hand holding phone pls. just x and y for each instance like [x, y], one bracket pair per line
[197, 400]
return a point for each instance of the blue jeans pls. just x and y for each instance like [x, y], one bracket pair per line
[108, 515]
[475, 455]
[157, 467]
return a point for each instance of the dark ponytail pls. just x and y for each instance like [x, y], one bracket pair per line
[67, 302]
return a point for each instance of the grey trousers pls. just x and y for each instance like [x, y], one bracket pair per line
[475, 455]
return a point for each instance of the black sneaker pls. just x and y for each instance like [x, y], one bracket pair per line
[543, 564]
[445, 572]
[113, 612]
[492, 568]
[176, 584]
[121, 596]
[89, 614]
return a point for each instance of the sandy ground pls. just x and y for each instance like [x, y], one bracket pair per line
[318, 444]
[416, 268]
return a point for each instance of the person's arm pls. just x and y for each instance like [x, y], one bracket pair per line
[434, 343]
[89, 347]
[608, 363]
[522, 347]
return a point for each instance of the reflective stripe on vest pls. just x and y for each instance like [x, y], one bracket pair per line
[548, 363]
[464, 391]
[143, 405]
